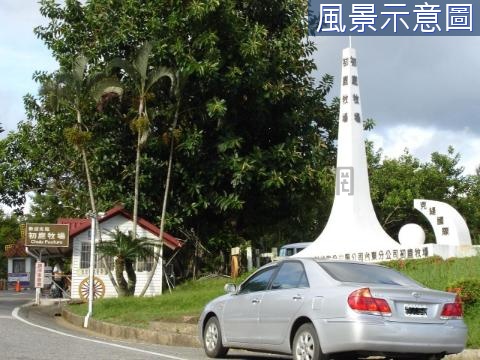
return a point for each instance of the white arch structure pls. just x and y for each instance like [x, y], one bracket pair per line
[448, 225]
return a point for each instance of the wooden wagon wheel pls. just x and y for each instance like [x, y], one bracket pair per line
[98, 288]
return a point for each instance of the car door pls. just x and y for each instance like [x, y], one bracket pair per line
[282, 301]
[241, 311]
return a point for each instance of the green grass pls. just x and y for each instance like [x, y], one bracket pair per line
[436, 273]
[439, 274]
[189, 298]
[472, 319]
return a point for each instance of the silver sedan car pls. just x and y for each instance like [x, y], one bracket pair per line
[319, 310]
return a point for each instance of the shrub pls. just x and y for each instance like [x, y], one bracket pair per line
[467, 289]
[413, 264]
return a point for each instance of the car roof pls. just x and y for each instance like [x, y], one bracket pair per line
[321, 261]
[294, 245]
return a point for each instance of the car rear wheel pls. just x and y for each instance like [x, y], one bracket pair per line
[212, 339]
[306, 345]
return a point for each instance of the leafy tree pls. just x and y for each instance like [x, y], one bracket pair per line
[468, 206]
[74, 89]
[126, 249]
[254, 141]
[9, 234]
[395, 183]
[47, 208]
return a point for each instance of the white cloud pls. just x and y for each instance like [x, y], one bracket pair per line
[426, 81]
[423, 141]
[421, 91]
[21, 54]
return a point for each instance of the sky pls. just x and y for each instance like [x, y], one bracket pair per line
[21, 53]
[422, 92]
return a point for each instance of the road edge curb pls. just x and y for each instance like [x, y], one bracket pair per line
[132, 333]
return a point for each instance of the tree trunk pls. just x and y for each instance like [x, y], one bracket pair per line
[159, 252]
[122, 283]
[132, 276]
[93, 207]
[137, 168]
[137, 180]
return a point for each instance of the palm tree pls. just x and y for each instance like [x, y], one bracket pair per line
[74, 88]
[126, 249]
[143, 78]
[177, 90]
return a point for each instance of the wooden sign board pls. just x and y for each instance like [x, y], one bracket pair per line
[47, 235]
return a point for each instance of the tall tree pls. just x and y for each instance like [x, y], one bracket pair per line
[254, 146]
[143, 78]
[74, 89]
[178, 84]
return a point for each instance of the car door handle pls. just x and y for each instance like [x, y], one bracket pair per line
[297, 297]
[255, 301]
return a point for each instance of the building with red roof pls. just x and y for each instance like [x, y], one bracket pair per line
[115, 218]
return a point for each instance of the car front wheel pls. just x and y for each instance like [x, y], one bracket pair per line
[306, 345]
[212, 339]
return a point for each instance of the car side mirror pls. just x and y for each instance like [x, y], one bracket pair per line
[230, 288]
[276, 286]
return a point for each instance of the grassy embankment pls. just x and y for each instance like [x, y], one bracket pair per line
[189, 299]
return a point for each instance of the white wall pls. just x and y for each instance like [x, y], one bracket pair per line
[124, 225]
[29, 268]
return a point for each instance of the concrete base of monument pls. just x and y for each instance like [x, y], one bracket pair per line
[402, 253]
[448, 251]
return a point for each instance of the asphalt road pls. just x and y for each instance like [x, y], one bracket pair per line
[30, 333]
[35, 333]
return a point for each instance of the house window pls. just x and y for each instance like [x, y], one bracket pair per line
[141, 264]
[18, 265]
[145, 264]
[85, 258]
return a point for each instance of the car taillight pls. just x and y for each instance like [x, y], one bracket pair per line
[362, 300]
[453, 310]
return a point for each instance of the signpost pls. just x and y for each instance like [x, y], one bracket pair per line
[39, 271]
[39, 280]
[47, 235]
[44, 236]
[47, 276]
[93, 220]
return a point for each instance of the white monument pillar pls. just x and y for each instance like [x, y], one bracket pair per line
[352, 227]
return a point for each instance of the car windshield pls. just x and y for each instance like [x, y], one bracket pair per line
[364, 273]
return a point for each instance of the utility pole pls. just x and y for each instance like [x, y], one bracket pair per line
[93, 220]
